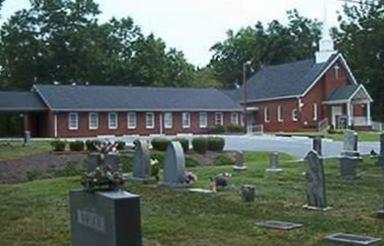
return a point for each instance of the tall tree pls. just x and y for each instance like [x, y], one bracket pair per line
[276, 43]
[61, 40]
[360, 38]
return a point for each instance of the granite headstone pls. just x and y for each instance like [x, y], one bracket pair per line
[142, 162]
[350, 147]
[110, 218]
[174, 168]
[248, 193]
[239, 161]
[351, 239]
[27, 138]
[274, 163]
[315, 182]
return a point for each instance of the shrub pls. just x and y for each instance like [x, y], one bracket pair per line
[58, 145]
[33, 175]
[217, 129]
[235, 129]
[76, 146]
[160, 144]
[216, 144]
[120, 145]
[90, 144]
[223, 160]
[331, 129]
[200, 145]
[184, 143]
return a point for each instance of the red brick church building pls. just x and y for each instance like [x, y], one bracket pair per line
[300, 96]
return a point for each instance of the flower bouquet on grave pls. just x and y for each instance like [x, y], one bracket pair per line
[104, 177]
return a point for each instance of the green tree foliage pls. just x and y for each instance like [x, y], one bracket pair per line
[361, 39]
[274, 44]
[61, 40]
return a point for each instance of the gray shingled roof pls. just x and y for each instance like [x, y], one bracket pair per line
[343, 93]
[20, 101]
[285, 80]
[123, 98]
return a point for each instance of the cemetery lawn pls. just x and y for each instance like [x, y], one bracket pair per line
[15, 149]
[36, 213]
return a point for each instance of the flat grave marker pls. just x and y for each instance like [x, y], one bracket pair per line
[280, 225]
[351, 239]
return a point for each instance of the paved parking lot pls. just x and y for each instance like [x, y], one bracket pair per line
[295, 146]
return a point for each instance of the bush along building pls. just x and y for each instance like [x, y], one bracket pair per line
[305, 95]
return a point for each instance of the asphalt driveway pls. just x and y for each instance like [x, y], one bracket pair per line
[295, 146]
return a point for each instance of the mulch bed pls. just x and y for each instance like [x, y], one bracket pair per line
[43, 164]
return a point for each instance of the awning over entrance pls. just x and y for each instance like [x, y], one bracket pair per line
[349, 94]
[14, 101]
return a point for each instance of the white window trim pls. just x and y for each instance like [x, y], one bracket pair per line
[203, 115]
[221, 115]
[315, 111]
[280, 117]
[166, 125]
[295, 114]
[129, 114]
[235, 118]
[110, 126]
[90, 126]
[70, 127]
[266, 115]
[183, 115]
[152, 115]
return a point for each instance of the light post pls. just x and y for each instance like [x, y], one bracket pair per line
[245, 95]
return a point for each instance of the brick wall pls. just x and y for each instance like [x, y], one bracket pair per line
[122, 129]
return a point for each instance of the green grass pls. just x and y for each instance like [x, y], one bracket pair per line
[363, 135]
[15, 149]
[36, 213]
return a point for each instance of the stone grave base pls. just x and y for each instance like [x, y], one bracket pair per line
[199, 190]
[350, 239]
[306, 206]
[355, 154]
[151, 180]
[380, 214]
[274, 170]
[239, 168]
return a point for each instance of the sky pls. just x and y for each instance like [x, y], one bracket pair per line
[193, 26]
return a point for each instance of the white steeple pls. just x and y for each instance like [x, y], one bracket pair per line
[326, 45]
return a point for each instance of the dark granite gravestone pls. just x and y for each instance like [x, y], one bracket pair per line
[174, 168]
[142, 163]
[280, 225]
[110, 218]
[239, 162]
[348, 166]
[315, 185]
[274, 163]
[350, 156]
[317, 145]
[351, 239]
[248, 193]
